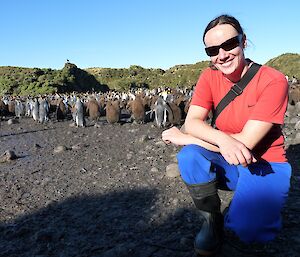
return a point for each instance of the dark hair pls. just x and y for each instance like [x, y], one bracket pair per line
[224, 19]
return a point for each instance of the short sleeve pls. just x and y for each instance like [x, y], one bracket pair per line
[202, 95]
[272, 102]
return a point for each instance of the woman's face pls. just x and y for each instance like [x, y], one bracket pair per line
[231, 61]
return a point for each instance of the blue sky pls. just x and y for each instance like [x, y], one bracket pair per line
[149, 33]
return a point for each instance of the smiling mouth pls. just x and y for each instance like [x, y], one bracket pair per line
[226, 64]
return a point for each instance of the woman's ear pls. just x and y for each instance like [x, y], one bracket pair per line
[244, 41]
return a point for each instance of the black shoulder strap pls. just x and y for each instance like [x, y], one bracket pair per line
[235, 91]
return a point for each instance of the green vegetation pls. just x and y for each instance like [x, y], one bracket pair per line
[27, 81]
[33, 81]
[137, 76]
[289, 64]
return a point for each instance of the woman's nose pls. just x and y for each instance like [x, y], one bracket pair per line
[222, 53]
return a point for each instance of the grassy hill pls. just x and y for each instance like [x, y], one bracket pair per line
[33, 81]
[289, 64]
[137, 76]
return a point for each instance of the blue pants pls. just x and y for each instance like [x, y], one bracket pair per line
[260, 189]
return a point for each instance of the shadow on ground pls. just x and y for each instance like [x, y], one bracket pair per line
[116, 224]
[129, 223]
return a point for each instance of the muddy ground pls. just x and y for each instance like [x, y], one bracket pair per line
[103, 191]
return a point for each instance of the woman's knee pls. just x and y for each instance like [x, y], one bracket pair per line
[189, 153]
[193, 166]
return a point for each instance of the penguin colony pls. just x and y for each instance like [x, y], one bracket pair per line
[163, 106]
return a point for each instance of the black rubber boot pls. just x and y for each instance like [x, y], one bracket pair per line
[210, 238]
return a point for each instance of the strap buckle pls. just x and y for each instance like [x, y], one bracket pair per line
[236, 89]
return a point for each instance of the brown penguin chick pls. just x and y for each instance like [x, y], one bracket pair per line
[11, 107]
[294, 94]
[112, 112]
[180, 102]
[93, 109]
[102, 104]
[116, 104]
[53, 105]
[61, 110]
[138, 109]
[175, 119]
[147, 103]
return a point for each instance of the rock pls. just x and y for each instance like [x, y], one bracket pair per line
[8, 155]
[12, 121]
[76, 147]
[154, 170]
[175, 201]
[133, 130]
[160, 143]
[172, 170]
[144, 138]
[97, 125]
[60, 148]
[129, 156]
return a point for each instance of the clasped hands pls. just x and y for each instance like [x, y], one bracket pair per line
[232, 150]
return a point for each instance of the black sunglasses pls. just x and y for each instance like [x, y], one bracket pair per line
[227, 45]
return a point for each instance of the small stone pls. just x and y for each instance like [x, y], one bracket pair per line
[160, 143]
[12, 121]
[143, 138]
[97, 125]
[76, 147]
[8, 155]
[175, 201]
[129, 156]
[172, 170]
[154, 170]
[60, 148]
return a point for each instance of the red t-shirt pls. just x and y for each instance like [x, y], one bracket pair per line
[265, 98]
